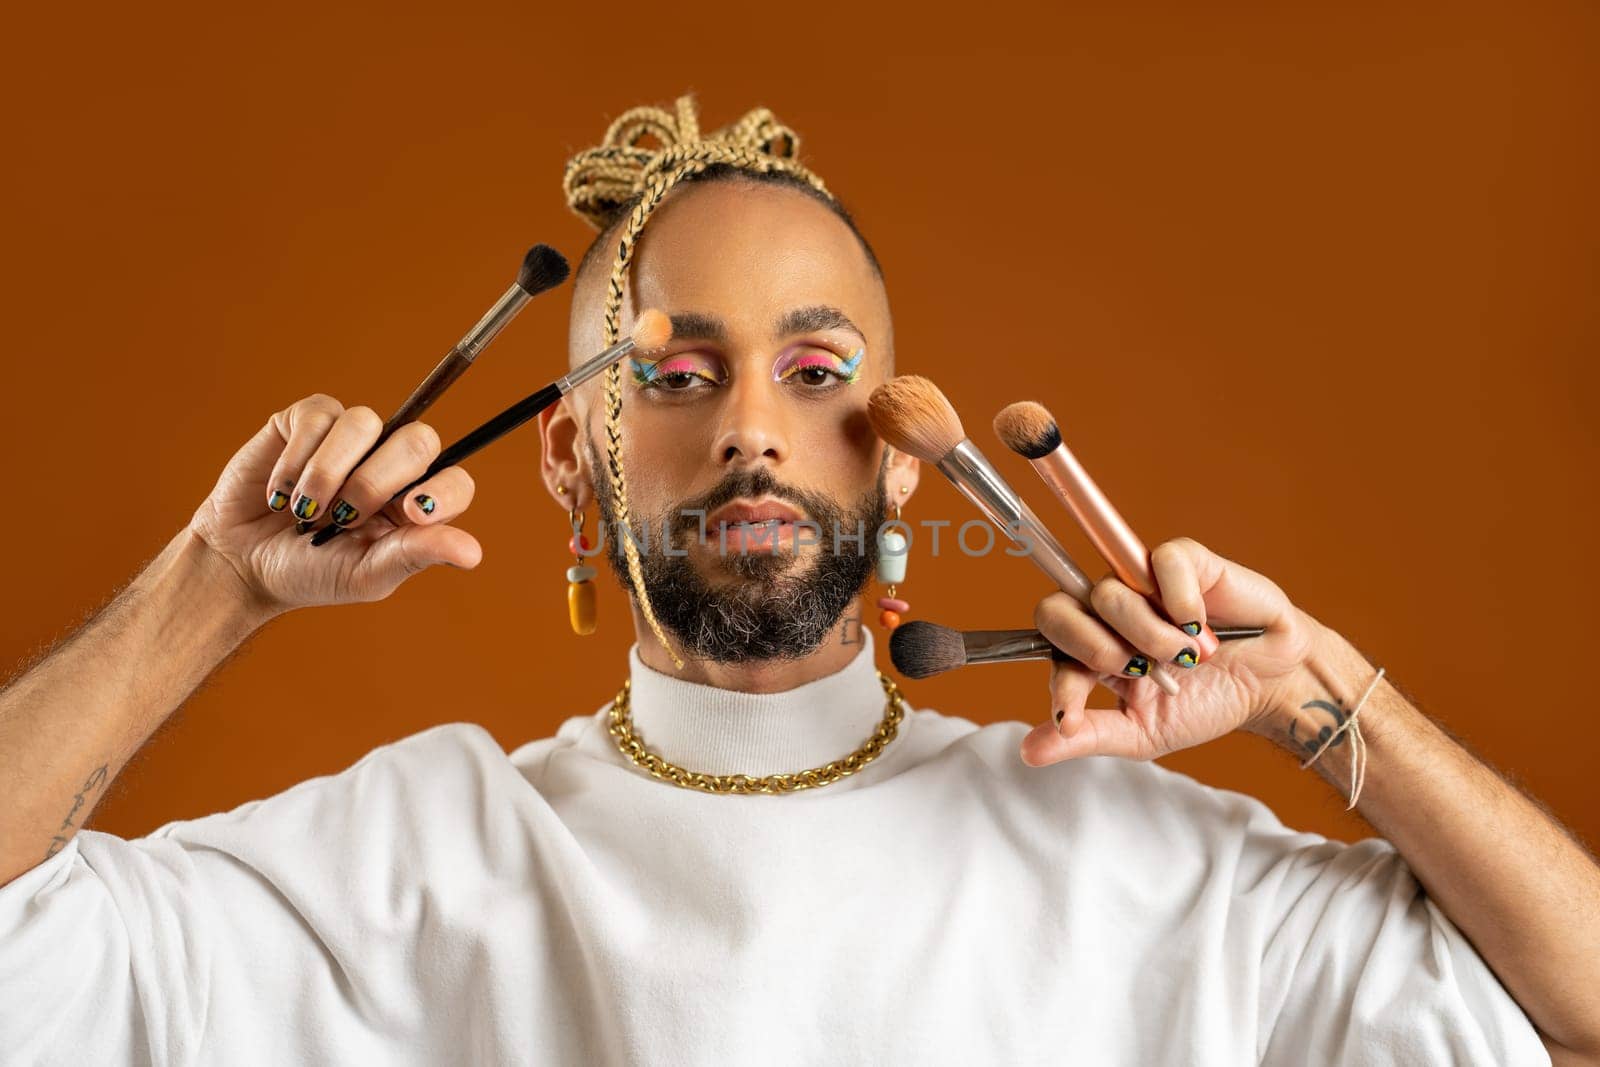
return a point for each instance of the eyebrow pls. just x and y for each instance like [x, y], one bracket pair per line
[699, 326]
[816, 317]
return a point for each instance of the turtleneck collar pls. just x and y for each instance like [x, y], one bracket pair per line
[724, 731]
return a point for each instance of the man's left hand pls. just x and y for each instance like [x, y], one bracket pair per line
[1234, 688]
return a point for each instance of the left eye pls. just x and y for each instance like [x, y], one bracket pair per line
[815, 374]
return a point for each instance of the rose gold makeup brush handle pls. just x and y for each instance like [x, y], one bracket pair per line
[1106, 529]
[970, 471]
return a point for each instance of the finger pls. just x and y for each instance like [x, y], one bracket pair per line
[1070, 686]
[438, 500]
[1080, 635]
[402, 457]
[302, 425]
[351, 434]
[1104, 732]
[1178, 587]
[1133, 617]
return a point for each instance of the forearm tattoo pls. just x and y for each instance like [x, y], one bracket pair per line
[92, 783]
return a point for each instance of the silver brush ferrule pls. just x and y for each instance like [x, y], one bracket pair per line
[980, 483]
[593, 365]
[972, 473]
[488, 327]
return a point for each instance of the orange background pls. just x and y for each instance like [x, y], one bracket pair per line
[1316, 288]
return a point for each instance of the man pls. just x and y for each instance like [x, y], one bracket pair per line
[443, 901]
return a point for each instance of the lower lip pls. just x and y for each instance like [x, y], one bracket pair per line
[778, 537]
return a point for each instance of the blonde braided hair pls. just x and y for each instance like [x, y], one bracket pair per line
[622, 175]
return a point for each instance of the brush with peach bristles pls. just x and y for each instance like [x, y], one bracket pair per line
[1029, 430]
[911, 414]
[652, 331]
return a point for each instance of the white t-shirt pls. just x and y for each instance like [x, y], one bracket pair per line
[441, 902]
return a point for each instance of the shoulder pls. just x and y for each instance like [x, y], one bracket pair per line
[414, 787]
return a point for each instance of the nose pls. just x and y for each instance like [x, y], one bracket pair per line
[752, 427]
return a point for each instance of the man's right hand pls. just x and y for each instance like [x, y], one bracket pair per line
[308, 452]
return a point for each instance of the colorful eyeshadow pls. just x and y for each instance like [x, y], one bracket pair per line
[846, 370]
[650, 374]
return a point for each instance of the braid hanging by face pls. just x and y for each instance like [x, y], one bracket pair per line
[619, 172]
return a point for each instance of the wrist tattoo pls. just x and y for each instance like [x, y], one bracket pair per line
[93, 782]
[1307, 736]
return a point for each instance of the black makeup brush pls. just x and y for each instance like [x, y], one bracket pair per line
[652, 331]
[924, 649]
[542, 268]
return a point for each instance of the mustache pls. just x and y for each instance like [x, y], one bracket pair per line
[751, 483]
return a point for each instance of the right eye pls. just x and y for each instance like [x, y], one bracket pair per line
[676, 374]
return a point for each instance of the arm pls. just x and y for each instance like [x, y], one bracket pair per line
[1509, 879]
[1508, 875]
[69, 725]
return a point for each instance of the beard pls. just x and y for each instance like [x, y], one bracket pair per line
[772, 607]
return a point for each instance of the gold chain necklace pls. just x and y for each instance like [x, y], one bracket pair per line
[622, 732]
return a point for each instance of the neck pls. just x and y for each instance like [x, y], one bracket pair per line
[758, 676]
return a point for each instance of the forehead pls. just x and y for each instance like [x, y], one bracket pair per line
[748, 254]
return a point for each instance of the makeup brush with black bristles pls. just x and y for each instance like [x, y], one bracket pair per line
[913, 415]
[651, 331]
[924, 649]
[543, 268]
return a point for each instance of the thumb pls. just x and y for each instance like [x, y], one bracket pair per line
[1232, 592]
[391, 560]
[1102, 732]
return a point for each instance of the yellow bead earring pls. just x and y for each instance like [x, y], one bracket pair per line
[580, 576]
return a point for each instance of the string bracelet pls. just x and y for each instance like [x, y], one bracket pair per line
[1358, 744]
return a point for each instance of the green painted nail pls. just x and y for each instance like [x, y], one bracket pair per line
[1191, 628]
[426, 503]
[278, 500]
[1186, 658]
[344, 514]
[1137, 667]
[304, 507]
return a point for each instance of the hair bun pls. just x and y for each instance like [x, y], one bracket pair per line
[599, 181]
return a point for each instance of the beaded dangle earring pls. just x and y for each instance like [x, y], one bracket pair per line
[580, 576]
[892, 552]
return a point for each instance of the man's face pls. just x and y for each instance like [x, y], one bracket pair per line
[747, 436]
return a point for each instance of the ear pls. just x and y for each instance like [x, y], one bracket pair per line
[564, 461]
[901, 476]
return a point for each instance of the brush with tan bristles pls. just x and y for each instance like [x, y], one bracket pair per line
[1029, 430]
[652, 330]
[911, 414]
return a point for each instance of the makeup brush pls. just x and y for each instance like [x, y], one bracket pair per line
[924, 649]
[542, 268]
[1029, 430]
[911, 414]
[652, 331]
